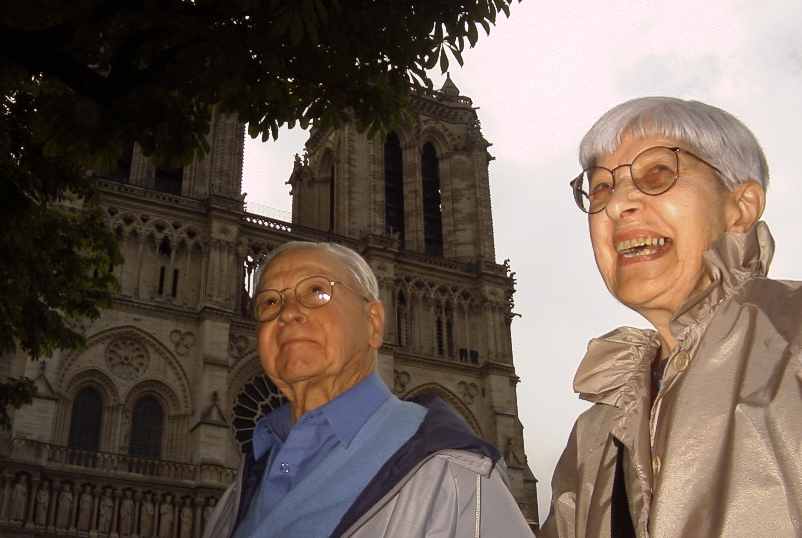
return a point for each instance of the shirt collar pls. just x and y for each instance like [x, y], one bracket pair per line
[345, 414]
[349, 411]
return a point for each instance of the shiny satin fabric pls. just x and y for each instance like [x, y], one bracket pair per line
[719, 452]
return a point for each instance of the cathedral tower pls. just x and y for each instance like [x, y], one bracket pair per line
[417, 203]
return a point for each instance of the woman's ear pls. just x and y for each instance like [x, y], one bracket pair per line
[747, 204]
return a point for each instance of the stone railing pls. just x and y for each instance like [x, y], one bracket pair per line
[109, 462]
[50, 490]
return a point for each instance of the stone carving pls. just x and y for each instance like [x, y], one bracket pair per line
[468, 391]
[238, 346]
[64, 510]
[400, 381]
[207, 510]
[106, 509]
[146, 518]
[42, 504]
[166, 515]
[20, 499]
[126, 513]
[511, 453]
[186, 520]
[127, 358]
[182, 342]
[85, 509]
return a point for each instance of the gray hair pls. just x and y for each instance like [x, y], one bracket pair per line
[357, 267]
[713, 134]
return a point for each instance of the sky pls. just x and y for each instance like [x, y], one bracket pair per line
[541, 79]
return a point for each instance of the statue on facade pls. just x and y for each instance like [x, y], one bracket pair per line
[64, 508]
[126, 513]
[85, 509]
[146, 518]
[186, 519]
[20, 499]
[42, 504]
[105, 512]
[207, 510]
[166, 516]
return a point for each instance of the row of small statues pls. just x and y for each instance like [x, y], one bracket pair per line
[157, 517]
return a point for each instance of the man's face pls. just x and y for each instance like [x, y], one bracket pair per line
[331, 343]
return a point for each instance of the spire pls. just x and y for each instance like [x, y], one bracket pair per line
[449, 88]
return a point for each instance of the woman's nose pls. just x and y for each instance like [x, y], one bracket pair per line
[625, 198]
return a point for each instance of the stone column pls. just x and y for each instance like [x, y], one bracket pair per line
[116, 494]
[7, 478]
[30, 512]
[139, 257]
[198, 503]
[96, 493]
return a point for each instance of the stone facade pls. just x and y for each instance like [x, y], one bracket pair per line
[179, 341]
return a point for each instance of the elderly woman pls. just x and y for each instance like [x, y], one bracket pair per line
[696, 427]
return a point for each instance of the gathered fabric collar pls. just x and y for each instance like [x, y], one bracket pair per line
[617, 365]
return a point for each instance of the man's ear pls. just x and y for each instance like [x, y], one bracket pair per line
[376, 324]
[747, 204]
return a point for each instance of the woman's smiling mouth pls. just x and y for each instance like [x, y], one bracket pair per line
[641, 249]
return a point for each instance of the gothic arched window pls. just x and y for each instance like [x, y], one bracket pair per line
[87, 414]
[147, 425]
[432, 211]
[394, 187]
[401, 320]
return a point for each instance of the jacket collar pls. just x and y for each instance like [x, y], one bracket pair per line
[731, 261]
[622, 358]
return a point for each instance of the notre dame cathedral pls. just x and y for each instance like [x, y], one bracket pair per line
[140, 433]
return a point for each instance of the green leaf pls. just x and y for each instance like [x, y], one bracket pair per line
[443, 60]
[473, 35]
[457, 55]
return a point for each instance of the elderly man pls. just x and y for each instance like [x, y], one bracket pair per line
[345, 457]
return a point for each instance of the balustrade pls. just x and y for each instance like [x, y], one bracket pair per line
[50, 490]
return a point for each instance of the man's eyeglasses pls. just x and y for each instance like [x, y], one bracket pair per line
[310, 292]
[654, 171]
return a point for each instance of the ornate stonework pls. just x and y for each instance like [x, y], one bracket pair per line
[127, 358]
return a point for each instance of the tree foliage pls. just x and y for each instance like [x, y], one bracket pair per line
[81, 80]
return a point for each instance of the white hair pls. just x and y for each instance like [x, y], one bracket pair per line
[357, 267]
[711, 133]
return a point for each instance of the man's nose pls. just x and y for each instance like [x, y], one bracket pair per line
[291, 309]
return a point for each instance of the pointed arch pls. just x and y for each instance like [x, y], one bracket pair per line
[327, 191]
[432, 201]
[394, 187]
[453, 400]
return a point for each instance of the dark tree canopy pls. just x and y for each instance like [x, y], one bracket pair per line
[81, 80]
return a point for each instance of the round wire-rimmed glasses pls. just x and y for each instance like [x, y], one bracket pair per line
[311, 292]
[653, 171]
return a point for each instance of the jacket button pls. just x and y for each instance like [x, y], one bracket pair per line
[656, 464]
[681, 361]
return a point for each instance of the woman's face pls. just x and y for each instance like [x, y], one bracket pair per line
[676, 227]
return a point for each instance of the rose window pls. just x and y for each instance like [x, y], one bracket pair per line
[127, 358]
[257, 398]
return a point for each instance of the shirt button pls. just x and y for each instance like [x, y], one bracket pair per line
[681, 361]
[284, 467]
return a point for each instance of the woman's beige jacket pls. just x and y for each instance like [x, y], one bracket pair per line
[719, 453]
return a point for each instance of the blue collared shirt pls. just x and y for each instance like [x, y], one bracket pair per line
[297, 449]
